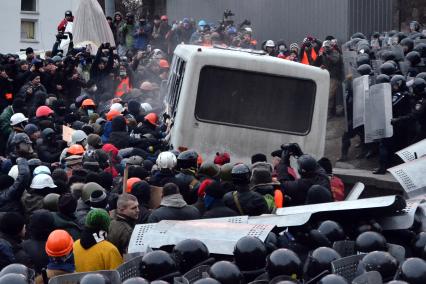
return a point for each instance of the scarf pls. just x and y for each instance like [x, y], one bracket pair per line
[174, 200]
[90, 237]
[62, 264]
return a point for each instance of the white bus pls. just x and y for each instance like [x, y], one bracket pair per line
[244, 102]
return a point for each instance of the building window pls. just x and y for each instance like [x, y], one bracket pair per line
[29, 5]
[28, 30]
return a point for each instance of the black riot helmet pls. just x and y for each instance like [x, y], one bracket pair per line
[250, 254]
[419, 244]
[407, 44]
[370, 241]
[400, 36]
[240, 174]
[189, 254]
[207, 281]
[382, 78]
[333, 279]
[136, 280]
[387, 55]
[307, 164]
[388, 68]
[380, 261]
[13, 278]
[398, 83]
[414, 58]
[320, 260]
[419, 86]
[413, 270]
[362, 59]
[226, 273]
[156, 265]
[94, 278]
[283, 262]
[358, 35]
[414, 26]
[421, 48]
[19, 269]
[187, 160]
[332, 230]
[364, 69]
[422, 75]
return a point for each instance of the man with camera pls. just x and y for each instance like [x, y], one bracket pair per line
[310, 173]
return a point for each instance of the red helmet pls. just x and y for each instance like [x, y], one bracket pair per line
[164, 63]
[151, 118]
[164, 18]
[131, 182]
[44, 111]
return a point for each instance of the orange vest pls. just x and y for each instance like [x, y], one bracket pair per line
[305, 57]
[123, 87]
[278, 198]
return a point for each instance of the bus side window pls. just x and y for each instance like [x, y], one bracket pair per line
[175, 84]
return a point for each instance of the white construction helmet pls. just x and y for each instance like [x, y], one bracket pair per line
[42, 181]
[117, 106]
[17, 118]
[146, 107]
[270, 43]
[78, 136]
[14, 172]
[166, 160]
[41, 170]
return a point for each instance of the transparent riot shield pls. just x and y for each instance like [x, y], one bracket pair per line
[349, 61]
[378, 113]
[413, 152]
[411, 176]
[360, 91]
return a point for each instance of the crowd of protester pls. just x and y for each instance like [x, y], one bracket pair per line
[70, 204]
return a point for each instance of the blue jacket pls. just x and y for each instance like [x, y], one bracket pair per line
[142, 35]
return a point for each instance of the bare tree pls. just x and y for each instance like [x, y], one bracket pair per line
[135, 7]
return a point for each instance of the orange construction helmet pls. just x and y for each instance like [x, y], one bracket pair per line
[130, 183]
[151, 118]
[75, 149]
[164, 64]
[59, 244]
[43, 111]
[111, 114]
[88, 102]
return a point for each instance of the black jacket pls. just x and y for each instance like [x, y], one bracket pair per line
[36, 251]
[298, 189]
[16, 245]
[218, 210]
[251, 203]
[172, 213]
[10, 198]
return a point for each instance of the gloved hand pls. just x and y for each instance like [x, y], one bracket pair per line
[395, 121]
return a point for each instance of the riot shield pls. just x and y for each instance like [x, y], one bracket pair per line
[378, 113]
[360, 91]
[420, 40]
[349, 61]
[345, 104]
[220, 238]
[411, 176]
[366, 203]
[398, 51]
[413, 152]
[403, 66]
[375, 64]
[401, 220]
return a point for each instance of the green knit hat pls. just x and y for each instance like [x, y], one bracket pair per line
[98, 219]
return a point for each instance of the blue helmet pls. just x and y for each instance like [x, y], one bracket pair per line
[202, 23]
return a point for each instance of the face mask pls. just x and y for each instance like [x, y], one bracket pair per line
[123, 73]
[94, 88]
[90, 111]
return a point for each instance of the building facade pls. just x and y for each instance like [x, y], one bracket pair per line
[25, 23]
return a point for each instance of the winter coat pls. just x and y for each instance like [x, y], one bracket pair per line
[16, 245]
[188, 186]
[251, 203]
[31, 201]
[10, 197]
[218, 210]
[50, 153]
[120, 231]
[101, 256]
[81, 212]
[68, 224]
[297, 189]
[173, 207]
[6, 254]
[5, 128]
[36, 251]
[142, 35]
